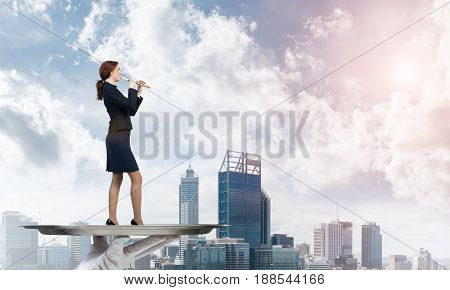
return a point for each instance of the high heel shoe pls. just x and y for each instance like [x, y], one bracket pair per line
[110, 222]
[133, 222]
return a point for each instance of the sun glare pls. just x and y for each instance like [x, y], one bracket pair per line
[405, 73]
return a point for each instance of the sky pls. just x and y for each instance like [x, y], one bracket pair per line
[377, 130]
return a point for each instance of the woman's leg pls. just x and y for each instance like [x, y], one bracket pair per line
[114, 189]
[136, 195]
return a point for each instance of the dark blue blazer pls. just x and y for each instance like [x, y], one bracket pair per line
[119, 107]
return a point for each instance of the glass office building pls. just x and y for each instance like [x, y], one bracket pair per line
[283, 240]
[276, 258]
[205, 257]
[239, 199]
[218, 254]
[237, 253]
[371, 246]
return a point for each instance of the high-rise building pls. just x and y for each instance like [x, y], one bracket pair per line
[188, 205]
[283, 240]
[79, 246]
[265, 218]
[332, 240]
[399, 262]
[239, 199]
[18, 246]
[319, 241]
[347, 238]
[371, 246]
[423, 261]
[54, 257]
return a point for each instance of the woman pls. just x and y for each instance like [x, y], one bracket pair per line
[119, 155]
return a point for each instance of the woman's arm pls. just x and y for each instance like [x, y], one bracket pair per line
[131, 104]
[139, 101]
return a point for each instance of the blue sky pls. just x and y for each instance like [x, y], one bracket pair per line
[370, 129]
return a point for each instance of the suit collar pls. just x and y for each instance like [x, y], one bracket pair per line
[109, 84]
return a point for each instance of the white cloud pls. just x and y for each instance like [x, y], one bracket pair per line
[38, 8]
[53, 57]
[416, 127]
[206, 62]
[50, 157]
[253, 25]
[187, 53]
[93, 22]
[406, 137]
[337, 22]
[299, 59]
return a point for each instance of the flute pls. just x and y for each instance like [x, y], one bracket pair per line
[146, 86]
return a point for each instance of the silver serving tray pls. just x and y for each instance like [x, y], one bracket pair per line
[125, 230]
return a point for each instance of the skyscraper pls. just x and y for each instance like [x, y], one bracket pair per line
[423, 261]
[265, 218]
[371, 246]
[319, 242]
[332, 240]
[188, 205]
[347, 238]
[18, 246]
[239, 186]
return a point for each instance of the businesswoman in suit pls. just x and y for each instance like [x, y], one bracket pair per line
[120, 158]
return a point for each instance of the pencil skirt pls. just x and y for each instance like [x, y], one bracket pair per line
[119, 157]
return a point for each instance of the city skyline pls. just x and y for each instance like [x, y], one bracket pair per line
[54, 253]
[330, 239]
[368, 100]
[406, 262]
